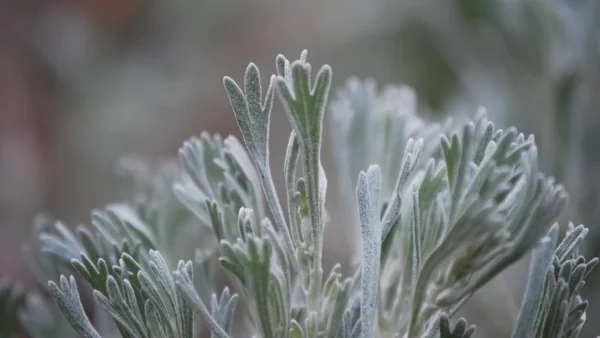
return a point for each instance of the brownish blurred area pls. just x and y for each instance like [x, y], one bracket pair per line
[27, 112]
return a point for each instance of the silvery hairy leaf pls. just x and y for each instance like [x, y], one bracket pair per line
[304, 103]
[222, 309]
[258, 265]
[562, 312]
[336, 297]
[143, 301]
[367, 191]
[376, 126]
[540, 262]
[218, 324]
[293, 194]
[351, 325]
[460, 329]
[218, 172]
[253, 117]
[67, 298]
[121, 304]
[495, 209]
[180, 305]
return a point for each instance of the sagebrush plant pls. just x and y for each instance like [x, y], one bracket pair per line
[440, 210]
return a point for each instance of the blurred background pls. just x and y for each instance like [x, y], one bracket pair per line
[84, 82]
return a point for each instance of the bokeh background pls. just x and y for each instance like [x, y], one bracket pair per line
[84, 82]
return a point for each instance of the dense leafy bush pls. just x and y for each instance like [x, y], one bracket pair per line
[441, 209]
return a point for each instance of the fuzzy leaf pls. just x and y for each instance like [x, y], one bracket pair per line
[304, 104]
[253, 118]
[367, 192]
[67, 298]
[460, 329]
[540, 262]
[184, 283]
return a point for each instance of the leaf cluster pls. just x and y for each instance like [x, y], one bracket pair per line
[447, 207]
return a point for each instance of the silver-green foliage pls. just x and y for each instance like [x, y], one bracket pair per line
[441, 209]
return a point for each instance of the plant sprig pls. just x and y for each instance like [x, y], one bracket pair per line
[440, 208]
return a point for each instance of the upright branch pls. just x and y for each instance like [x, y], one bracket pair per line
[304, 103]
